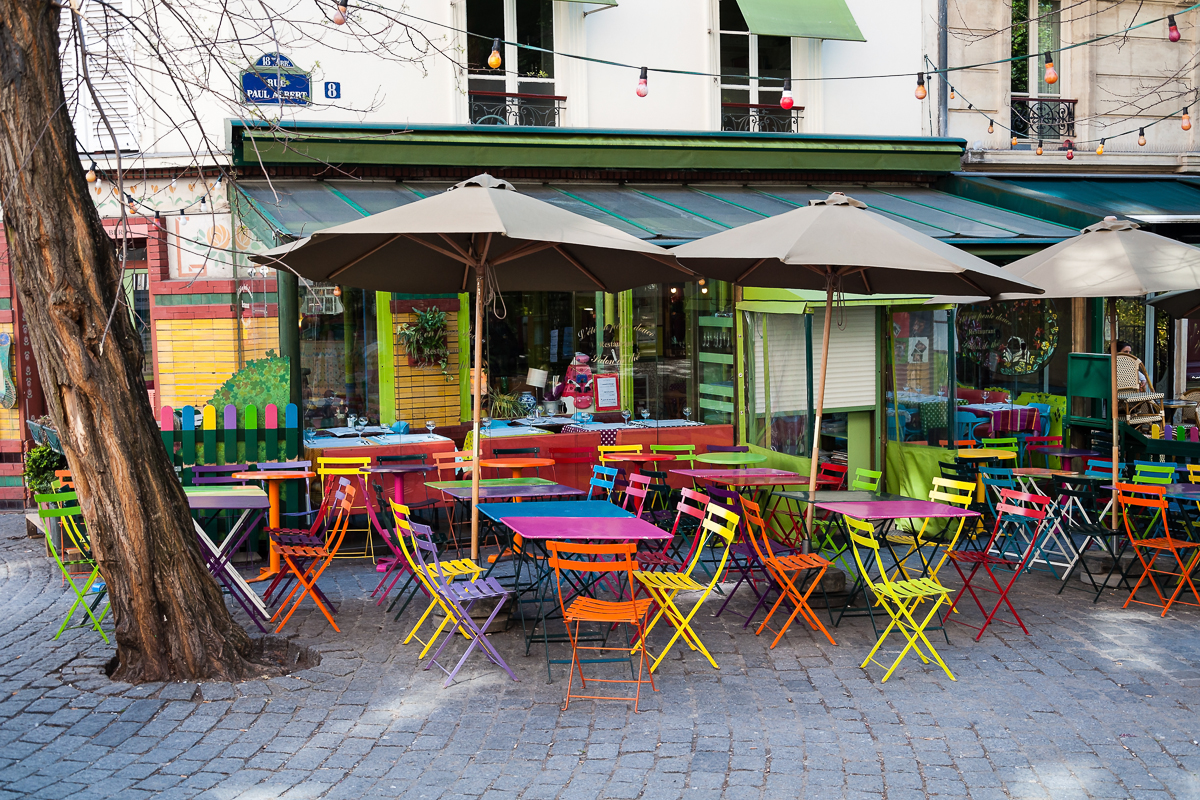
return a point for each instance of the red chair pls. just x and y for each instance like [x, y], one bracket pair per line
[571, 455]
[1020, 517]
[831, 477]
[1145, 507]
[691, 504]
[1030, 445]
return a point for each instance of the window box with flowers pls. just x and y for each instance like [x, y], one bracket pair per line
[424, 339]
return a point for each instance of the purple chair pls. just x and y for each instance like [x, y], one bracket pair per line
[728, 448]
[218, 474]
[743, 559]
[458, 597]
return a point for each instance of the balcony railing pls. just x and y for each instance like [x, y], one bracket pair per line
[515, 108]
[760, 118]
[1042, 117]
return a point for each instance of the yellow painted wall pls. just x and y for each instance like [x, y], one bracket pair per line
[10, 418]
[196, 356]
[424, 393]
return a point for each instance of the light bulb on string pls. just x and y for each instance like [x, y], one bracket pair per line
[1186, 124]
[339, 14]
[1172, 28]
[337, 291]
[920, 93]
[1051, 76]
[494, 59]
[1070, 149]
[952, 93]
[643, 87]
[1039, 147]
[786, 101]
[991, 127]
[1141, 137]
[1100, 149]
[1014, 141]
[132, 203]
[91, 173]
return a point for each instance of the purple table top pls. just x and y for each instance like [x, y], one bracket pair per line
[731, 473]
[229, 501]
[384, 469]
[609, 528]
[1062, 452]
[505, 492]
[895, 509]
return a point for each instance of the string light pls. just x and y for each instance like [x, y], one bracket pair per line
[1187, 120]
[339, 15]
[643, 87]
[951, 92]
[494, 59]
[1014, 141]
[131, 202]
[1141, 137]
[920, 93]
[1172, 28]
[1039, 147]
[991, 126]
[1070, 149]
[337, 291]
[91, 173]
[1051, 76]
[1100, 149]
[786, 101]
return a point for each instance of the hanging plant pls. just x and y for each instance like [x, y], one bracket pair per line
[425, 339]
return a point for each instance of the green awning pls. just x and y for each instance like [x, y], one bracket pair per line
[808, 19]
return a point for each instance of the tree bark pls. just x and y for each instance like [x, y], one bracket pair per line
[171, 618]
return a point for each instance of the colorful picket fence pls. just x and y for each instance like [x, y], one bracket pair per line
[231, 437]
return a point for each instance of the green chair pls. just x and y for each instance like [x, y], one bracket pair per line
[865, 480]
[1009, 443]
[683, 452]
[76, 552]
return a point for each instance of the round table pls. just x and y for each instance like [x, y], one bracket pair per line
[273, 478]
[397, 471]
[731, 459]
[987, 452]
[1066, 453]
[516, 464]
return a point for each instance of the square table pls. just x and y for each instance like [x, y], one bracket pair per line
[254, 503]
[549, 489]
[574, 508]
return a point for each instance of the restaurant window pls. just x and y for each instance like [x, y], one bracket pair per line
[521, 90]
[916, 380]
[778, 396]
[1038, 109]
[753, 68]
[340, 355]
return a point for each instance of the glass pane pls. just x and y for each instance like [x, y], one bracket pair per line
[731, 17]
[339, 353]
[1020, 46]
[735, 58]
[1013, 347]
[302, 208]
[375, 197]
[550, 195]
[774, 57]
[741, 96]
[787, 361]
[710, 207]
[484, 17]
[918, 410]
[664, 220]
[710, 316]
[536, 331]
[1049, 39]
[535, 26]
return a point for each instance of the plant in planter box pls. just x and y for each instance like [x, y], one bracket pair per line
[425, 339]
[40, 465]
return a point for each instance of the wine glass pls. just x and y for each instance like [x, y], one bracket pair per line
[360, 425]
[625, 415]
[485, 421]
[985, 395]
[430, 425]
[687, 413]
[645, 413]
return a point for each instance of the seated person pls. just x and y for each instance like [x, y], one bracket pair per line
[1124, 348]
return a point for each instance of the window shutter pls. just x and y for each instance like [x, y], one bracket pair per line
[852, 349]
[109, 50]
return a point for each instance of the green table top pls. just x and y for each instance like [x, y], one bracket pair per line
[490, 482]
[731, 458]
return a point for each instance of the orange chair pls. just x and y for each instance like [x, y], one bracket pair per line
[317, 558]
[605, 561]
[1132, 498]
[784, 570]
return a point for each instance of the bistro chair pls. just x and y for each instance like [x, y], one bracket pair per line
[966, 424]
[1144, 512]
[684, 453]
[510, 452]
[452, 466]
[1081, 519]
[1021, 517]
[785, 570]
[313, 536]
[351, 466]
[865, 480]
[949, 492]
[831, 477]
[607, 451]
[315, 560]
[608, 564]
[73, 555]
[570, 455]
[718, 524]
[898, 598]
[417, 505]
[728, 448]
[1028, 443]
[604, 479]
[689, 512]
[1138, 407]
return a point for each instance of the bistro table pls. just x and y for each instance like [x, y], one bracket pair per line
[253, 502]
[541, 490]
[986, 452]
[397, 471]
[273, 478]
[516, 464]
[1057, 451]
[730, 459]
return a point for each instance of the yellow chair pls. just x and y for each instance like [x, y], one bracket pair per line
[899, 599]
[950, 492]
[452, 569]
[664, 586]
[350, 467]
[607, 450]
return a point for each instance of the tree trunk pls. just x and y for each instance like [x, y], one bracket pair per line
[171, 619]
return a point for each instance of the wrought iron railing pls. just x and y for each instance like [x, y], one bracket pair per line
[1042, 117]
[515, 108]
[760, 118]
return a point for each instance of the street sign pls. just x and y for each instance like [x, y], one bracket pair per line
[333, 90]
[275, 79]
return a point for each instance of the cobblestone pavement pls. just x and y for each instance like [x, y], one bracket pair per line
[1098, 702]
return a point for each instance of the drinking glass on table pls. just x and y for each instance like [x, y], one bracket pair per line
[360, 425]
[430, 425]
[625, 415]
[645, 413]
[351, 420]
[687, 413]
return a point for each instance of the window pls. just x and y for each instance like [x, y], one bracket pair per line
[1038, 112]
[753, 69]
[523, 95]
[339, 352]
[108, 48]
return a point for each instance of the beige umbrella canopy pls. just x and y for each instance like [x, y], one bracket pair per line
[839, 245]
[1112, 258]
[482, 230]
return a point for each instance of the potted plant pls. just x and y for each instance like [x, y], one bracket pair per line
[425, 339]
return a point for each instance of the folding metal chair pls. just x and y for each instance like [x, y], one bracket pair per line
[1081, 522]
[314, 536]
[1144, 511]
[457, 598]
[664, 587]
[1018, 515]
[613, 561]
[351, 467]
[570, 455]
[689, 511]
[603, 479]
[316, 559]
[865, 480]
[899, 599]
[950, 492]
[74, 557]
[831, 477]
[608, 450]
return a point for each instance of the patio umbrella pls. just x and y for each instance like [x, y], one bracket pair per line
[1111, 259]
[483, 228]
[1180, 305]
[838, 245]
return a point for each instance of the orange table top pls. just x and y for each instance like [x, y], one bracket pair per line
[274, 475]
[516, 463]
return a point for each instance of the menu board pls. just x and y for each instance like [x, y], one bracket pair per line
[608, 393]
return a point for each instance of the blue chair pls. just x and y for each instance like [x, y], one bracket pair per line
[1044, 412]
[966, 423]
[994, 479]
[604, 479]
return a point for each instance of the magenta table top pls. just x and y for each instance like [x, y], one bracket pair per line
[895, 509]
[385, 469]
[610, 528]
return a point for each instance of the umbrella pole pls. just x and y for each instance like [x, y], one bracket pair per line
[816, 444]
[1112, 347]
[475, 413]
